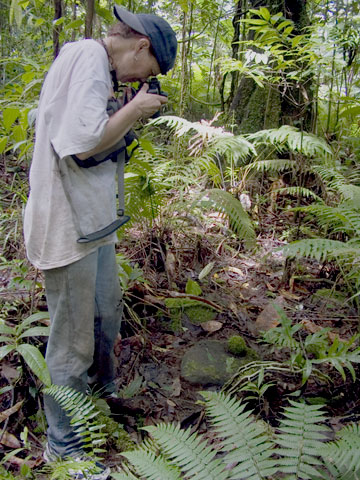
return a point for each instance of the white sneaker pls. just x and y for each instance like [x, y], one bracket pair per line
[102, 472]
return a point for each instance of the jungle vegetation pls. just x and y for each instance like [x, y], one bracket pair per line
[244, 195]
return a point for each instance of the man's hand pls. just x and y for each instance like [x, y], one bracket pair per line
[148, 103]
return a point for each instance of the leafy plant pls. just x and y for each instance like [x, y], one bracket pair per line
[15, 340]
[245, 448]
[82, 412]
[315, 349]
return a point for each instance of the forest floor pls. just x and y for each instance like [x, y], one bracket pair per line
[241, 285]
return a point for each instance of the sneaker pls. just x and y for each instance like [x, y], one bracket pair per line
[102, 472]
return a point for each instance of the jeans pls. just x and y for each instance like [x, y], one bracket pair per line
[85, 305]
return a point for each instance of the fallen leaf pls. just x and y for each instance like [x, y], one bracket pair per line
[176, 387]
[6, 413]
[171, 403]
[9, 440]
[235, 270]
[269, 317]
[211, 326]
[289, 295]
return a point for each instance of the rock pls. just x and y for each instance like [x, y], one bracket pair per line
[209, 363]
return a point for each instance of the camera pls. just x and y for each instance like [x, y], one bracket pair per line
[154, 88]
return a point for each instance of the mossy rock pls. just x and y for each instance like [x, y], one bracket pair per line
[210, 363]
[199, 314]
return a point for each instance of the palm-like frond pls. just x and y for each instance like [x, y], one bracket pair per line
[82, 412]
[273, 165]
[246, 441]
[319, 248]
[189, 452]
[225, 202]
[300, 438]
[152, 466]
[337, 219]
[290, 138]
[209, 140]
[298, 192]
[342, 456]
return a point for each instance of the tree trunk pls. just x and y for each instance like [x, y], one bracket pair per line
[90, 9]
[253, 108]
[58, 9]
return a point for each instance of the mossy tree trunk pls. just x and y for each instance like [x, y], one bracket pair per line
[253, 108]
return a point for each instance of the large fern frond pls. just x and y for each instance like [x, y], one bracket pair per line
[246, 441]
[82, 412]
[225, 202]
[189, 452]
[298, 192]
[337, 219]
[342, 456]
[152, 466]
[273, 165]
[290, 138]
[319, 248]
[300, 438]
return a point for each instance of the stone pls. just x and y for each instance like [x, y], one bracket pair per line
[209, 363]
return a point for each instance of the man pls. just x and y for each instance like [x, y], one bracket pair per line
[70, 216]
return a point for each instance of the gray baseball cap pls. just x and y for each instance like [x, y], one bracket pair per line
[161, 35]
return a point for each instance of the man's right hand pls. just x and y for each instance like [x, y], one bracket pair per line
[148, 103]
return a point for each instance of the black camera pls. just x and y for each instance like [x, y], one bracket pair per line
[155, 89]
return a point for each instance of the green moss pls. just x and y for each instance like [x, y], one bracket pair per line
[200, 314]
[236, 345]
[118, 438]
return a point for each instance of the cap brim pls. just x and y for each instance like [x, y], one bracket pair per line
[130, 19]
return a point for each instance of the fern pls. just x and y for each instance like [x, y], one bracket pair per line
[152, 466]
[320, 249]
[342, 455]
[275, 165]
[246, 448]
[247, 441]
[300, 439]
[290, 138]
[298, 192]
[338, 219]
[82, 412]
[189, 452]
[239, 220]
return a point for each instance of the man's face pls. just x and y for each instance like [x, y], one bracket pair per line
[140, 64]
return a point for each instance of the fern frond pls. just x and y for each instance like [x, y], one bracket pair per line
[290, 138]
[234, 148]
[337, 219]
[319, 248]
[343, 454]
[152, 466]
[273, 165]
[245, 440]
[182, 126]
[225, 202]
[188, 452]
[298, 192]
[300, 437]
[82, 412]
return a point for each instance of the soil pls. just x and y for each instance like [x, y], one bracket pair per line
[242, 285]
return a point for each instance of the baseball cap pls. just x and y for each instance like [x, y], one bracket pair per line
[162, 36]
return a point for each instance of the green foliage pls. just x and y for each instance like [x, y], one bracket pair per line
[246, 448]
[300, 439]
[14, 340]
[82, 412]
[315, 349]
[226, 203]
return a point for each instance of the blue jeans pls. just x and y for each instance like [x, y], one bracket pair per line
[85, 306]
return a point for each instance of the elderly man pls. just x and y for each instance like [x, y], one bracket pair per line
[70, 218]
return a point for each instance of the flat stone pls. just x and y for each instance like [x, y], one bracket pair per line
[209, 363]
